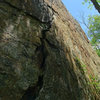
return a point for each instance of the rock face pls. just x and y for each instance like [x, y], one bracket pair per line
[44, 53]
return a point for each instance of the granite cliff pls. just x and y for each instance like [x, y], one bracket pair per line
[44, 53]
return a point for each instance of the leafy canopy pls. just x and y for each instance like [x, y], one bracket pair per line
[94, 29]
[94, 32]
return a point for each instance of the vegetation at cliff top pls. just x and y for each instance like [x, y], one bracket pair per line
[94, 28]
[95, 3]
[94, 32]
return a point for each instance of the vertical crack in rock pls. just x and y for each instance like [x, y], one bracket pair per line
[44, 55]
[33, 92]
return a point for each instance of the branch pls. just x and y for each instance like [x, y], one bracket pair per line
[96, 5]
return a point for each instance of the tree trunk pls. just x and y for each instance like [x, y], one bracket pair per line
[44, 53]
[96, 5]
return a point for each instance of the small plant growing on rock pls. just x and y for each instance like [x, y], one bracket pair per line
[81, 64]
[95, 82]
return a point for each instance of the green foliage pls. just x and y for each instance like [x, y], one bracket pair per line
[90, 3]
[84, 67]
[94, 31]
[81, 64]
[98, 52]
[94, 28]
[95, 82]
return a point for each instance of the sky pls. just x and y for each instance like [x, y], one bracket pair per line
[77, 9]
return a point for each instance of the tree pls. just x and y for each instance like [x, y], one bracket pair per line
[96, 3]
[93, 25]
[94, 28]
[94, 32]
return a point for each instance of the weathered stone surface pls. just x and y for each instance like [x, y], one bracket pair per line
[43, 51]
[36, 8]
